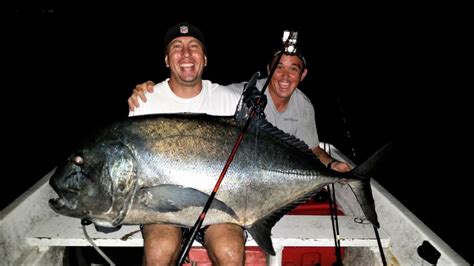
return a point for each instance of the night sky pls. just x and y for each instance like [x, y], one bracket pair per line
[71, 68]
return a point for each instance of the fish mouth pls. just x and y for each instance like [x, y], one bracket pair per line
[57, 203]
[60, 205]
[68, 196]
[64, 201]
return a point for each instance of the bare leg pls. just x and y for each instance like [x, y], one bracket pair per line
[225, 244]
[161, 244]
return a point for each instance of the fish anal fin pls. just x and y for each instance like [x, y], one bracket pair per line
[261, 233]
[261, 230]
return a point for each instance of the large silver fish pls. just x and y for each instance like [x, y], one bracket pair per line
[162, 169]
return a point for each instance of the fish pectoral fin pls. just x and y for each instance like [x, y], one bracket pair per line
[174, 198]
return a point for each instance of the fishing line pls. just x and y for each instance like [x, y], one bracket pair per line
[360, 216]
[347, 131]
[84, 222]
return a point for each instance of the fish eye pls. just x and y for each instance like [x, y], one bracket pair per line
[77, 160]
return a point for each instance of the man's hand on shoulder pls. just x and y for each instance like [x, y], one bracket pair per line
[139, 92]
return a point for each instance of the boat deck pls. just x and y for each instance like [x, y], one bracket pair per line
[291, 230]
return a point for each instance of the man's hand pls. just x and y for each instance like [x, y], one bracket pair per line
[139, 91]
[253, 97]
[340, 166]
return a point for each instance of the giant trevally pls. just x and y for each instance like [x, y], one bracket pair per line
[162, 169]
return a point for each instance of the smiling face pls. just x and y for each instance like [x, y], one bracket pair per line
[288, 74]
[186, 60]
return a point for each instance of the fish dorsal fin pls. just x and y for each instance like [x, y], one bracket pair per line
[261, 229]
[278, 134]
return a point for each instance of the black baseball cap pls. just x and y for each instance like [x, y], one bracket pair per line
[184, 29]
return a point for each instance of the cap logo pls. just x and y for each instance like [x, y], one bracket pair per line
[183, 29]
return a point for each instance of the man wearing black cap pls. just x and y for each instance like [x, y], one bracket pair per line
[185, 91]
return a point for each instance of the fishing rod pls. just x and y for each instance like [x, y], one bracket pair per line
[345, 124]
[349, 139]
[289, 47]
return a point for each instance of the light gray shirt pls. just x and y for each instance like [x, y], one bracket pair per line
[298, 119]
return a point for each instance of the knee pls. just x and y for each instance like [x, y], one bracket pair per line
[226, 245]
[230, 253]
[161, 245]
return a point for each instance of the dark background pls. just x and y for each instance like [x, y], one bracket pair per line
[71, 68]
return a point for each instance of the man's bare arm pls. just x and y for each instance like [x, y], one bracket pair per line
[331, 163]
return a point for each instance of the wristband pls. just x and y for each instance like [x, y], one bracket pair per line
[329, 165]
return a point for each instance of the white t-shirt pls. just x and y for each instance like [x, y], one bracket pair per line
[214, 99]
[298, 119]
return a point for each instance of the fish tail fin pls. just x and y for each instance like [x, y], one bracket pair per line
[374, 163]
[361, 185]
[363, 193]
